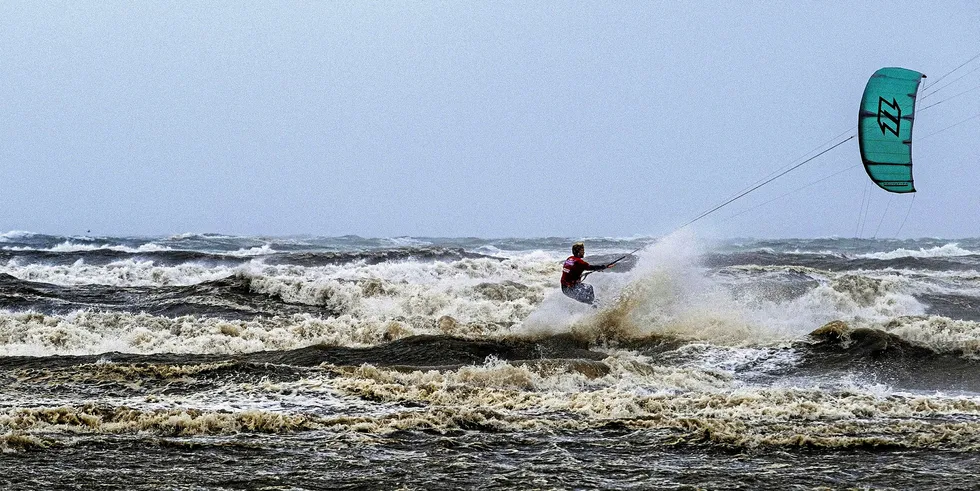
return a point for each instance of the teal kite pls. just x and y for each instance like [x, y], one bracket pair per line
[885, 127]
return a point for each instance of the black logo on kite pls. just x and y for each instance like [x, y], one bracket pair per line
[888, 120]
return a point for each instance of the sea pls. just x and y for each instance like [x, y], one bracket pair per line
[216, 362]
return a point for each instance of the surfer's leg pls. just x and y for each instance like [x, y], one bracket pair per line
[569, 291]
[580, 292]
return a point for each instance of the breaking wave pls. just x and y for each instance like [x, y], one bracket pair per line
[948, 250]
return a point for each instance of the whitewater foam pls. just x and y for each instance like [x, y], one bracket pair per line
[122, 273]
[69, 246]
[948, 250]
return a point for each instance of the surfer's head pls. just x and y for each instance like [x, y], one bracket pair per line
[578, 249]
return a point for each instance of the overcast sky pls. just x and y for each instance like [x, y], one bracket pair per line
[472, 118]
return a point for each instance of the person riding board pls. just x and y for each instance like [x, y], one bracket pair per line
[571, 275]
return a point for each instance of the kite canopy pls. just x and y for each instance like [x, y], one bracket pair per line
[885, 128]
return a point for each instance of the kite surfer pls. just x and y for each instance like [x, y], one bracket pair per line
[571, 275]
